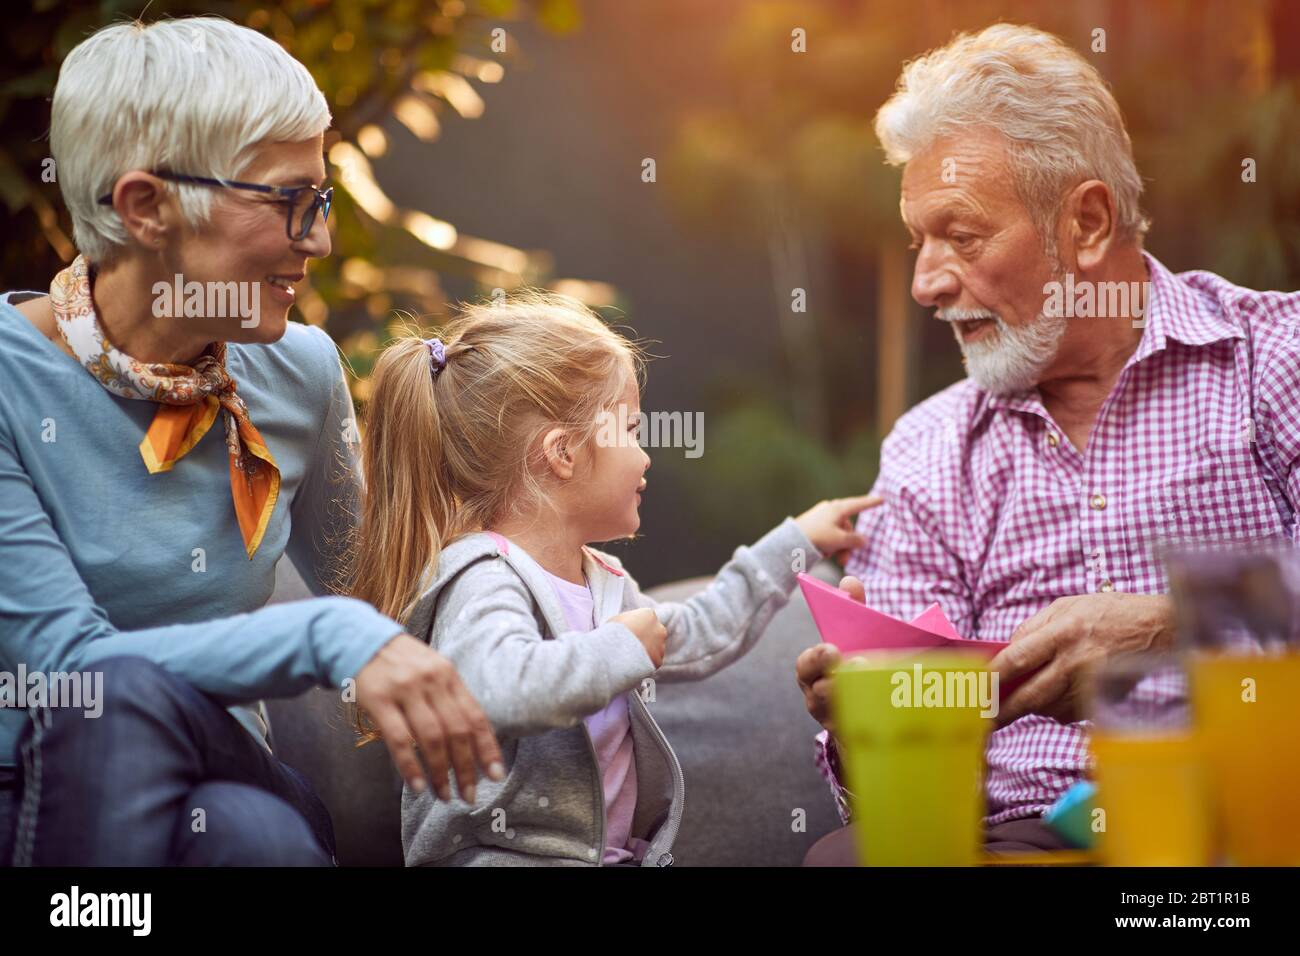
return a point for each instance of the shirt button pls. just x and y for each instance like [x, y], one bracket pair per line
[1106, 587]
[1097, 502]
[1052, 439]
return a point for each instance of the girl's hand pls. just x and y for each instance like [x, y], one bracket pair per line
[414, 696]
[829, 524]
[644, 623]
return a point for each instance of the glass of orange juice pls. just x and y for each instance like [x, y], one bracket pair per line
[1238, 618]
[1248, 712]
[1151, 807]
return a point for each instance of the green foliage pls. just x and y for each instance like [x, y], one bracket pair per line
[758, 466]
[1256, 215]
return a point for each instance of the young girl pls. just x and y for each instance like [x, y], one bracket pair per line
[490, 464]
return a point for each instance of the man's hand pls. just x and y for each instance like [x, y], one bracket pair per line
[813, 667]
[813, 671]
[1068, 638]
[413, 695]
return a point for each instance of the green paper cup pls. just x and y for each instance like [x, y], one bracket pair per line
[911, 730]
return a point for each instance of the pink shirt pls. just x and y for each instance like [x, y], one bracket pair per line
[993, 512]
[611, 735]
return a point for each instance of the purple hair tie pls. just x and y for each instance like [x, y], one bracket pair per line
[437, 355]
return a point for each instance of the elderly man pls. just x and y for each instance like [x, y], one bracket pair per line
[1027, 499]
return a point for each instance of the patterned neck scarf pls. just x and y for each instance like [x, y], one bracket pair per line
[189, 399]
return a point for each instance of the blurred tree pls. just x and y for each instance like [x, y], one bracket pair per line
[783, 150]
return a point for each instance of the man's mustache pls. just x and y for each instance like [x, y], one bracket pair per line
[964, 315]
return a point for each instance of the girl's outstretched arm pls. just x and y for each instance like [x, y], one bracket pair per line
[720, 624]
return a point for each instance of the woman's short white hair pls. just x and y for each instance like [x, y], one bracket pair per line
[190, 95]
[1058, 115]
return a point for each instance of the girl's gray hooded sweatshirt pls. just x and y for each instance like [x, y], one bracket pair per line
[493, 612]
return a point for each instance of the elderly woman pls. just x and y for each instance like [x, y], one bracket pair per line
[138, 542]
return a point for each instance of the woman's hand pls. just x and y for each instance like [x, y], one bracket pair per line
[829, 524]
[414, 696]
[645, 626]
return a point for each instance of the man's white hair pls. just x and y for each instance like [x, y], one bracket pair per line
[1061, 122]
[189, 95]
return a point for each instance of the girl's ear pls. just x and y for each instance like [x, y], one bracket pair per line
[559, 458]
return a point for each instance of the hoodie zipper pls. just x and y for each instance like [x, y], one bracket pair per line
[668, 832]
[600, 791]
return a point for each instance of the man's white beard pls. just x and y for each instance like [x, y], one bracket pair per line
[1014, 359]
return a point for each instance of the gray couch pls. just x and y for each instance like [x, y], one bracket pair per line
[753, 796]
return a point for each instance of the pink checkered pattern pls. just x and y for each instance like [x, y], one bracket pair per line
[991, 512]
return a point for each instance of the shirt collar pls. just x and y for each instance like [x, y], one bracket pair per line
[1174, 310]
[1177, 311]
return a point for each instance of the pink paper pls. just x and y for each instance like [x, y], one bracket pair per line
[855, 628]
[933, 619]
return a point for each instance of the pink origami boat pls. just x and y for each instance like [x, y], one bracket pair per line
[855, 628]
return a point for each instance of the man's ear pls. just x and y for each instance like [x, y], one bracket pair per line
[558, 455]
[1092, 223]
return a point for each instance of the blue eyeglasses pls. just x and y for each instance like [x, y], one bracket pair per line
[301, 202]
